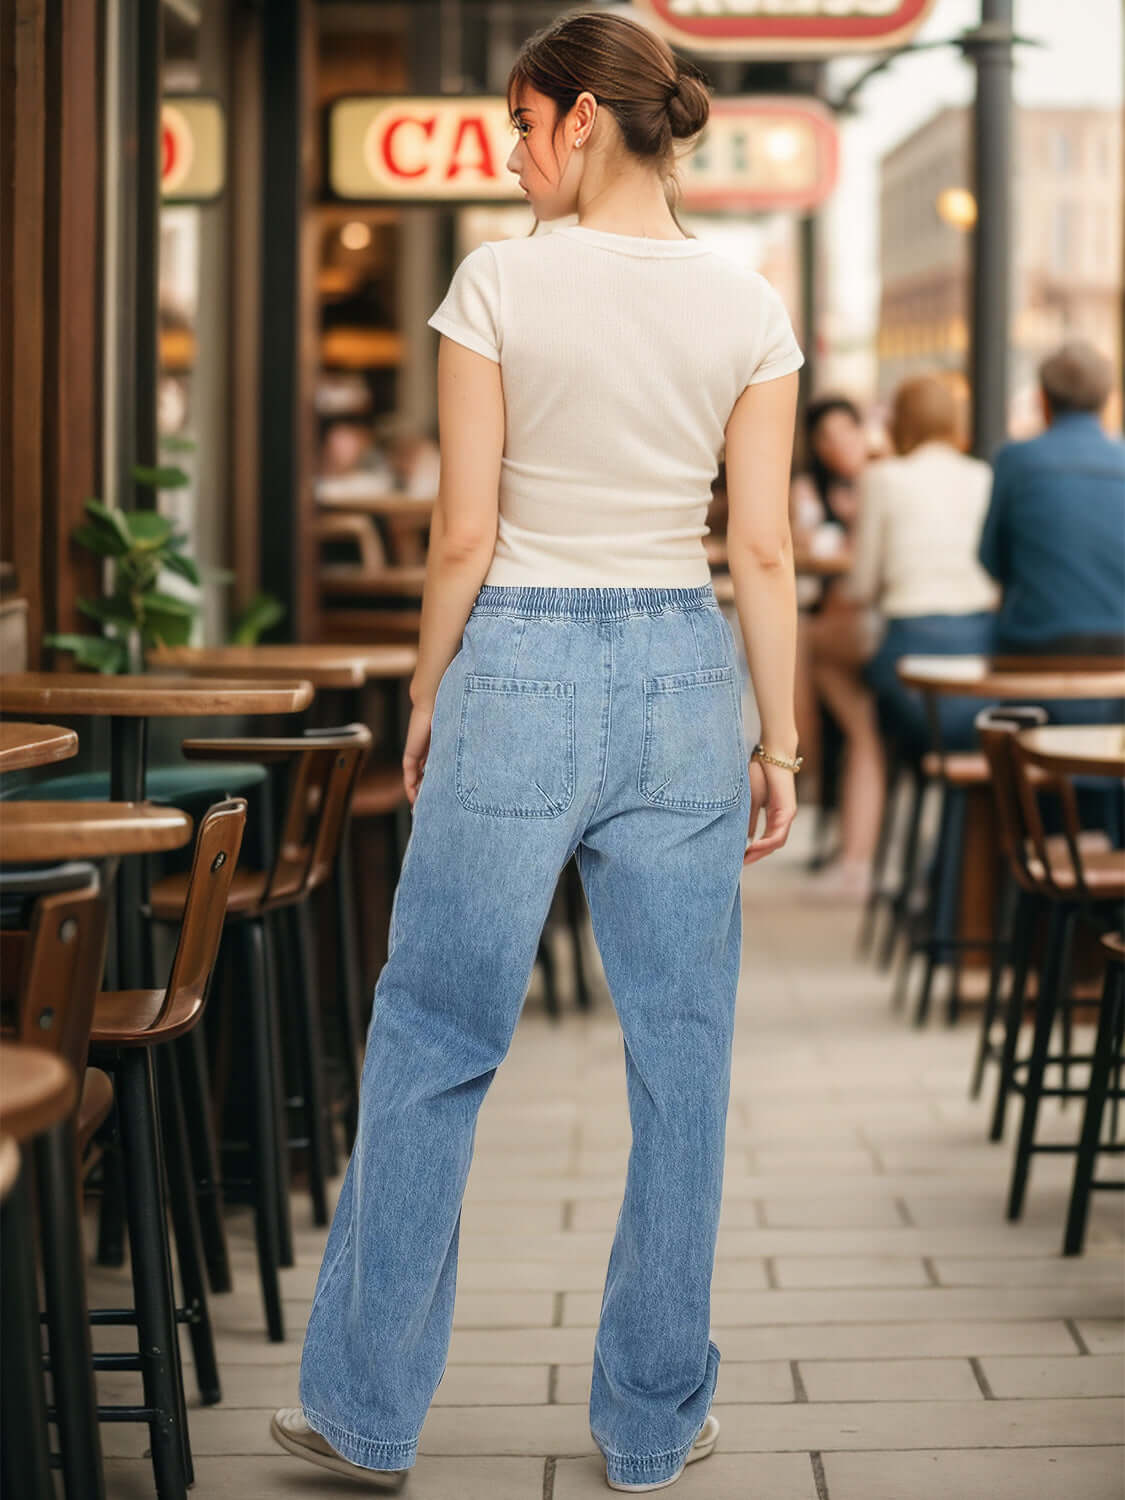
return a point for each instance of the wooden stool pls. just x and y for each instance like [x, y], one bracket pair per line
[128, 1030]
[323, 769]
[38, 1093]
[1106, 1059]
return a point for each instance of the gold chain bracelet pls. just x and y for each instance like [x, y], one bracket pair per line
[760, 752]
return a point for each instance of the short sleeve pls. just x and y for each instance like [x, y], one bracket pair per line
[470, 311]
[776, 351]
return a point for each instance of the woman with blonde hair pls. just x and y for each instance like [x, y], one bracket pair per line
[576, 694]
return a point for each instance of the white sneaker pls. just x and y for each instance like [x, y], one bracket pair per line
[289, 1428]
[701, 1448]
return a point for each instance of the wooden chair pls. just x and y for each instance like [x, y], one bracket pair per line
[50, 977]
[1106, 1060]
[322, 771]
[130, 1028]
[38, 1094]
[1079, 884]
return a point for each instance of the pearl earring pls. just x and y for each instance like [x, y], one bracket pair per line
[578, 141]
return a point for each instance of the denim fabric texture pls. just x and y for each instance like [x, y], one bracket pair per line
[605, 722]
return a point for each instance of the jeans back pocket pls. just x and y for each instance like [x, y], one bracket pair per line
[692, 754]
[515, 746]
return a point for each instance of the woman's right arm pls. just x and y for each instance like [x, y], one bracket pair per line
[759, 456]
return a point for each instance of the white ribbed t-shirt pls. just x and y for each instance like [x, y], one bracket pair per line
[621, 360]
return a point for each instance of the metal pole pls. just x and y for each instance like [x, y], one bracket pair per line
[990, 48]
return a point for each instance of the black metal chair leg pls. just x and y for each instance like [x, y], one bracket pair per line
[68, 1320]
[1113, 994]
[264, 1128]
[865, 936]
[1010, 897]
[1055, 972]
[25, 1450]
[319, 1154]
[900, 902]
[152, 1272]
[111, 1208]
[273, 1015]
[185, 1227]
[190, 1052]
[1023, 935]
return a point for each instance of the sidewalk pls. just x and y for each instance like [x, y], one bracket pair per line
[885, 1334]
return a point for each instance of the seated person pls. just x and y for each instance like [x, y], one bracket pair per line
[1054, 537]
[914, 558]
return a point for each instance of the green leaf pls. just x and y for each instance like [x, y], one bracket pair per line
[164, 477]
[178, 562]
[111, 611]
[110, 519]
[169, 604]
[261, 614]
[148, 529]
[174, 444]
[102, 540]
[95, 652]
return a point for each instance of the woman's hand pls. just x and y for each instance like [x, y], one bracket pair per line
[417, 748]
[774, 789]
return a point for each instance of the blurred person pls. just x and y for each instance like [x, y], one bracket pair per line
[836, 637]
[575, 695]
[1054, 535]
[914, 559]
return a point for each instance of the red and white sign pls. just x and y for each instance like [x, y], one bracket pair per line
[192, 149]
[784, 28]
[753, 154]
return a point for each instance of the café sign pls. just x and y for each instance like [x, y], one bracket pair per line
[754, 153]
[192, 148]
[784, 28]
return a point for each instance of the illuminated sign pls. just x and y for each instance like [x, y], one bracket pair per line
[192, 148]
[753, 154]
[784, 28]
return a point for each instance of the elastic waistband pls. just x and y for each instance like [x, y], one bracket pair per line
[588, 603]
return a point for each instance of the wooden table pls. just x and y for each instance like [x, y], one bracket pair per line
[129, 701]
[26, 745]
[41, 832]
[1078, 749]
[322, 666]
[979, 677]
[391, 506]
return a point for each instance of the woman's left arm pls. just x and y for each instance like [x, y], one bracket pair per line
[462, 531]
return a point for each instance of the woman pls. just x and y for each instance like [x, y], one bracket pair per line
[835, 637]
[575, 691]
[915, 560]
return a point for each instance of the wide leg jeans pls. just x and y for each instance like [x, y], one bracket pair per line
[605, 722]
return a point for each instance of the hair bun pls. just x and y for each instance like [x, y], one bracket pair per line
[689, 103]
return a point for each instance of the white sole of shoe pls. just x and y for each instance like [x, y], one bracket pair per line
[385, 1481]
[702, 1448]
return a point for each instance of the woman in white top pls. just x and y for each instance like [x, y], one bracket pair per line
[576, 695]
[915, 559]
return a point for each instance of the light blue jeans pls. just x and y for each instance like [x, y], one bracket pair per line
[606, 721]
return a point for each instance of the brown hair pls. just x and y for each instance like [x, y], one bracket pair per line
[1076, 377]
[924, 409]
[656, 97]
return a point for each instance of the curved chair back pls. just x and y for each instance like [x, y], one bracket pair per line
[997, 727]
[217, 847]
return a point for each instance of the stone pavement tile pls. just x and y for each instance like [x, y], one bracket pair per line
[556, 1275]
[285, 1477]
[816, 1212]
[526, 1430]
[933, 1340]
[849, 1271]
[529, 1346]
[812, 1158]
[523, 1216]
[739, 1273]
[1078, 1375]
[885, 1425]
[890, 1380]
[1006, 1240]
[767, 1380]
[568, 1244]
[723, 1476]
[989, 1474]
[1102, 1335]
[1045, 1270]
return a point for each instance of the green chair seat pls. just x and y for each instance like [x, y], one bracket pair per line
[165, 784]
